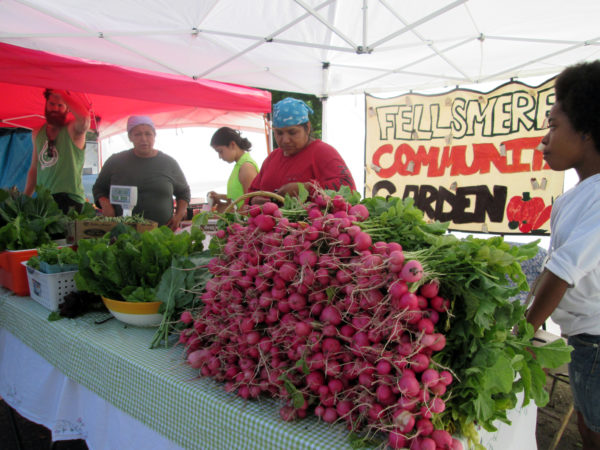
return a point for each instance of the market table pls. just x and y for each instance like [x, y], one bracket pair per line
[113, 391]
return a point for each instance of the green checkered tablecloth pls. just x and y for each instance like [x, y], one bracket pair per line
[155, 386]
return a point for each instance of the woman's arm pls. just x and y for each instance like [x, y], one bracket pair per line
[246, 175]
[332, 171]
[548, 293]
[101, 188]
[181, 190]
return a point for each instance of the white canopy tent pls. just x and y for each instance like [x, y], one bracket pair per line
[335, 49]
[322, 47]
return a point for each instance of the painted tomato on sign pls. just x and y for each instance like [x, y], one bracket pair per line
[527, 213]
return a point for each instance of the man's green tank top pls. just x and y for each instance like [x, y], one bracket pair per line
[234, 187]
[61, 169]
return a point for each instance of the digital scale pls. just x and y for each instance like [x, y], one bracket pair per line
[126, 196]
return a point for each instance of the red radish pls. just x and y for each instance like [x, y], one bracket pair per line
[404, 421]
[439, 342]
[329, 330]
[445, 377]
[407, 403]
[339, 203]
[425, 325]
[344, 408]
[419, 362]
[375, 412]
[422, 302]
[440, 304]
[314, 380]
[335, 386]
[379, 248]
[442, 439]
[347, 330]
[264, 223]
[313, 213]
[424, 427]
[197, 358]
[186, 317]
[303, 328]
[362, 241]
[384, 394]
[398, 289]
[287, 413]
[396, 439]
[438, 389]
[329, 415]
[429, 377]
[456, 444]
[308, 258]
[331, 315]
[287, 271]
[412, 271]
[408, 386]
[383, 367]
[296, 301]
[430, 289]
[253, 337]
[319, 410]
[408, 301]
[433, 315]
[360, 211]
[331, 345]
[426, 444]
[437, 405]
[269, 208]
[397, 258]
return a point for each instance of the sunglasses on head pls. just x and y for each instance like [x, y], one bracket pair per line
[50, 148]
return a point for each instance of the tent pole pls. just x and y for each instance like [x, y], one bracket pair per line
[268, 134]
[325, 89]
[324, 119]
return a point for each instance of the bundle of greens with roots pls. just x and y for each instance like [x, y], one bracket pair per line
[305, 307]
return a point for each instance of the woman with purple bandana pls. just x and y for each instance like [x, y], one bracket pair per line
[299, 157]
[157, 176]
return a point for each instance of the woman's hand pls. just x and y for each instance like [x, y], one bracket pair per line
[290, 188]
[259, 200]
[177, 217]
[174, 222]
[108, 209]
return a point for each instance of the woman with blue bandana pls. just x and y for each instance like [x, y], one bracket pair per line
[299, 157]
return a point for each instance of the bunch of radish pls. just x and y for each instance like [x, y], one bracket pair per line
[318, 315]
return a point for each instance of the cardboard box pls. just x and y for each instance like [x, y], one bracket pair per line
[86, 229]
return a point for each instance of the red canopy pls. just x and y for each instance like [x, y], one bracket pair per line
[116, 92]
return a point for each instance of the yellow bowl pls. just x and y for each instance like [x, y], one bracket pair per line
[141, 314]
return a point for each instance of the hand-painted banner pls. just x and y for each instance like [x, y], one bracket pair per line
[468, 157]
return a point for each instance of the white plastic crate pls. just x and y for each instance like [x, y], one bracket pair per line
[49, 289]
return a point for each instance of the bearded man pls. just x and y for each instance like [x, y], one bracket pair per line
[59, 150]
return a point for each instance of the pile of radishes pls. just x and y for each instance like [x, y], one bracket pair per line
[316, 314]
